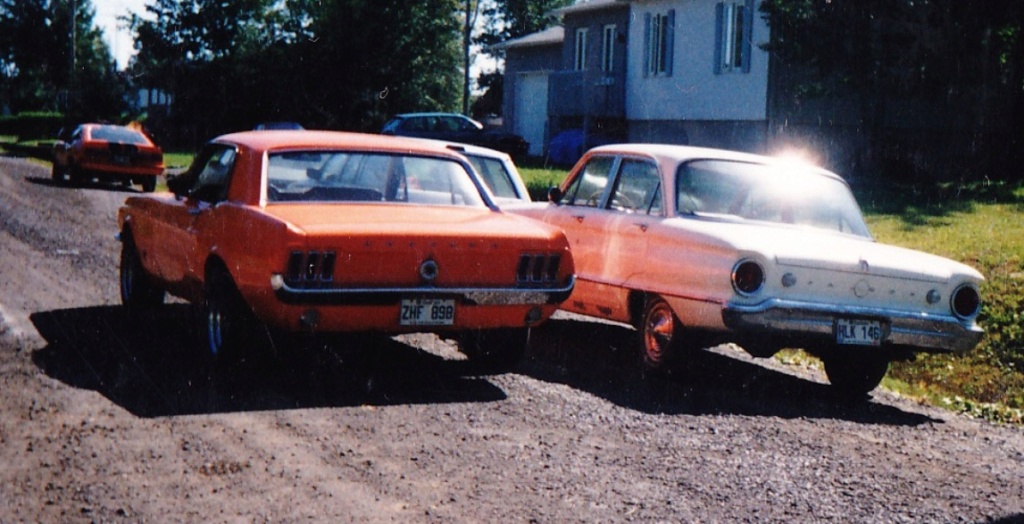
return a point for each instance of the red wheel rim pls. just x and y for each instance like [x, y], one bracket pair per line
[658, 330]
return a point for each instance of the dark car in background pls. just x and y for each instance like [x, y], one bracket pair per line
[453, 127]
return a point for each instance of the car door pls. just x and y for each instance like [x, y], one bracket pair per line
[193, 217]
[580, 215]
[635, 207]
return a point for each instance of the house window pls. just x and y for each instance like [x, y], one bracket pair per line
[581, 49]
[733, 35]
[608, 48]
[659, 34]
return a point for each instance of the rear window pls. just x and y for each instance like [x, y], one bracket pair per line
[346, 176]
[117, 134]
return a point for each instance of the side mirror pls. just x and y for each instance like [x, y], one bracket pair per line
[555, 194]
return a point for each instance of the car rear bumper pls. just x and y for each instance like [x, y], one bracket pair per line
[817, 322]
[384, 296]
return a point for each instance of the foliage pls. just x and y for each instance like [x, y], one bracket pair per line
[978, 224]
[539, 179]
[345, 64]
[963, 60]
[507, 19]
[38, 70]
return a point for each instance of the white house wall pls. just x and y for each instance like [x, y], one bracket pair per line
[693, 92]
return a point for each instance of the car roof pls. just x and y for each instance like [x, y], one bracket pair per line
[301, 139]
[437, 113]
[677, 154]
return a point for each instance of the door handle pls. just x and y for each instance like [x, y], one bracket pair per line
[579, 218]
[643, 227]
[194, 211]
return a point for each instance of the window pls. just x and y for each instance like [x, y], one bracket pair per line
[588, 187]
[581, 49]
[638, 188]
[212, 173]
[659, 36]
[734, 21]
[356, 176]
[608, 48]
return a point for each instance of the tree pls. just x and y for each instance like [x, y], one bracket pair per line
[345, 64]
[49, 63]
[958, 57]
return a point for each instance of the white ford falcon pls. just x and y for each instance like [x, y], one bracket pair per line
[699, 246]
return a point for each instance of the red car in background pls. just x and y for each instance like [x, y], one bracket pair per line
[107, 152]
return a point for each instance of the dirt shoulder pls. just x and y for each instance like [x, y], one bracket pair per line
[104, 418]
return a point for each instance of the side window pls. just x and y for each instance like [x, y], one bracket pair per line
[586, 189]
[637, 189]
[213, 174]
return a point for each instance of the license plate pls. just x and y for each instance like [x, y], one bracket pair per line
[120, 160]
[427, 312]
[859, 332]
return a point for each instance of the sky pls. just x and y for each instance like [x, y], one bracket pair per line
[119, 39]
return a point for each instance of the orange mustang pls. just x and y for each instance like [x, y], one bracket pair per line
[328, 232]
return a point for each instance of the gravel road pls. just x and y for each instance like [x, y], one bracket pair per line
[108, 419]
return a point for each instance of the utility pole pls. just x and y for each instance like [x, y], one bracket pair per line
[465, 58]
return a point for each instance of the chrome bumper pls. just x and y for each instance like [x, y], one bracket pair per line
[385, 296]
[936, 333]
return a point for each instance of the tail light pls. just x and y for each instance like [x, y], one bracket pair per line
[966, 302]
[747, 277]
[310, 268]
[538, 269]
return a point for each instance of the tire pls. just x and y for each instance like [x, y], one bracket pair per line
[75, 175]
[663, 350]
[853, 375]
[57, 174]
[492, 351]
[138, 292]
[149, 184]
[229, 331]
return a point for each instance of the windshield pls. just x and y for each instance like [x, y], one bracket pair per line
[346, 176]
[782, 194]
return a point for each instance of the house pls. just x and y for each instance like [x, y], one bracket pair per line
[668, 71]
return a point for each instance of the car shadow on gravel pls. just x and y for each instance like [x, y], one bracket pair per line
[602, 359]
[152, 367]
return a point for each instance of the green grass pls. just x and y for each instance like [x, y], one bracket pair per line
[177, 159]
[980, 224]
[539, 179]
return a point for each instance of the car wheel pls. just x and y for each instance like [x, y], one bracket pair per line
[138, 293]
[149, 184]
[854, 375]
[75, 175]
[57, 174]
[225, 319]
[662, 350]
[494, 350]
